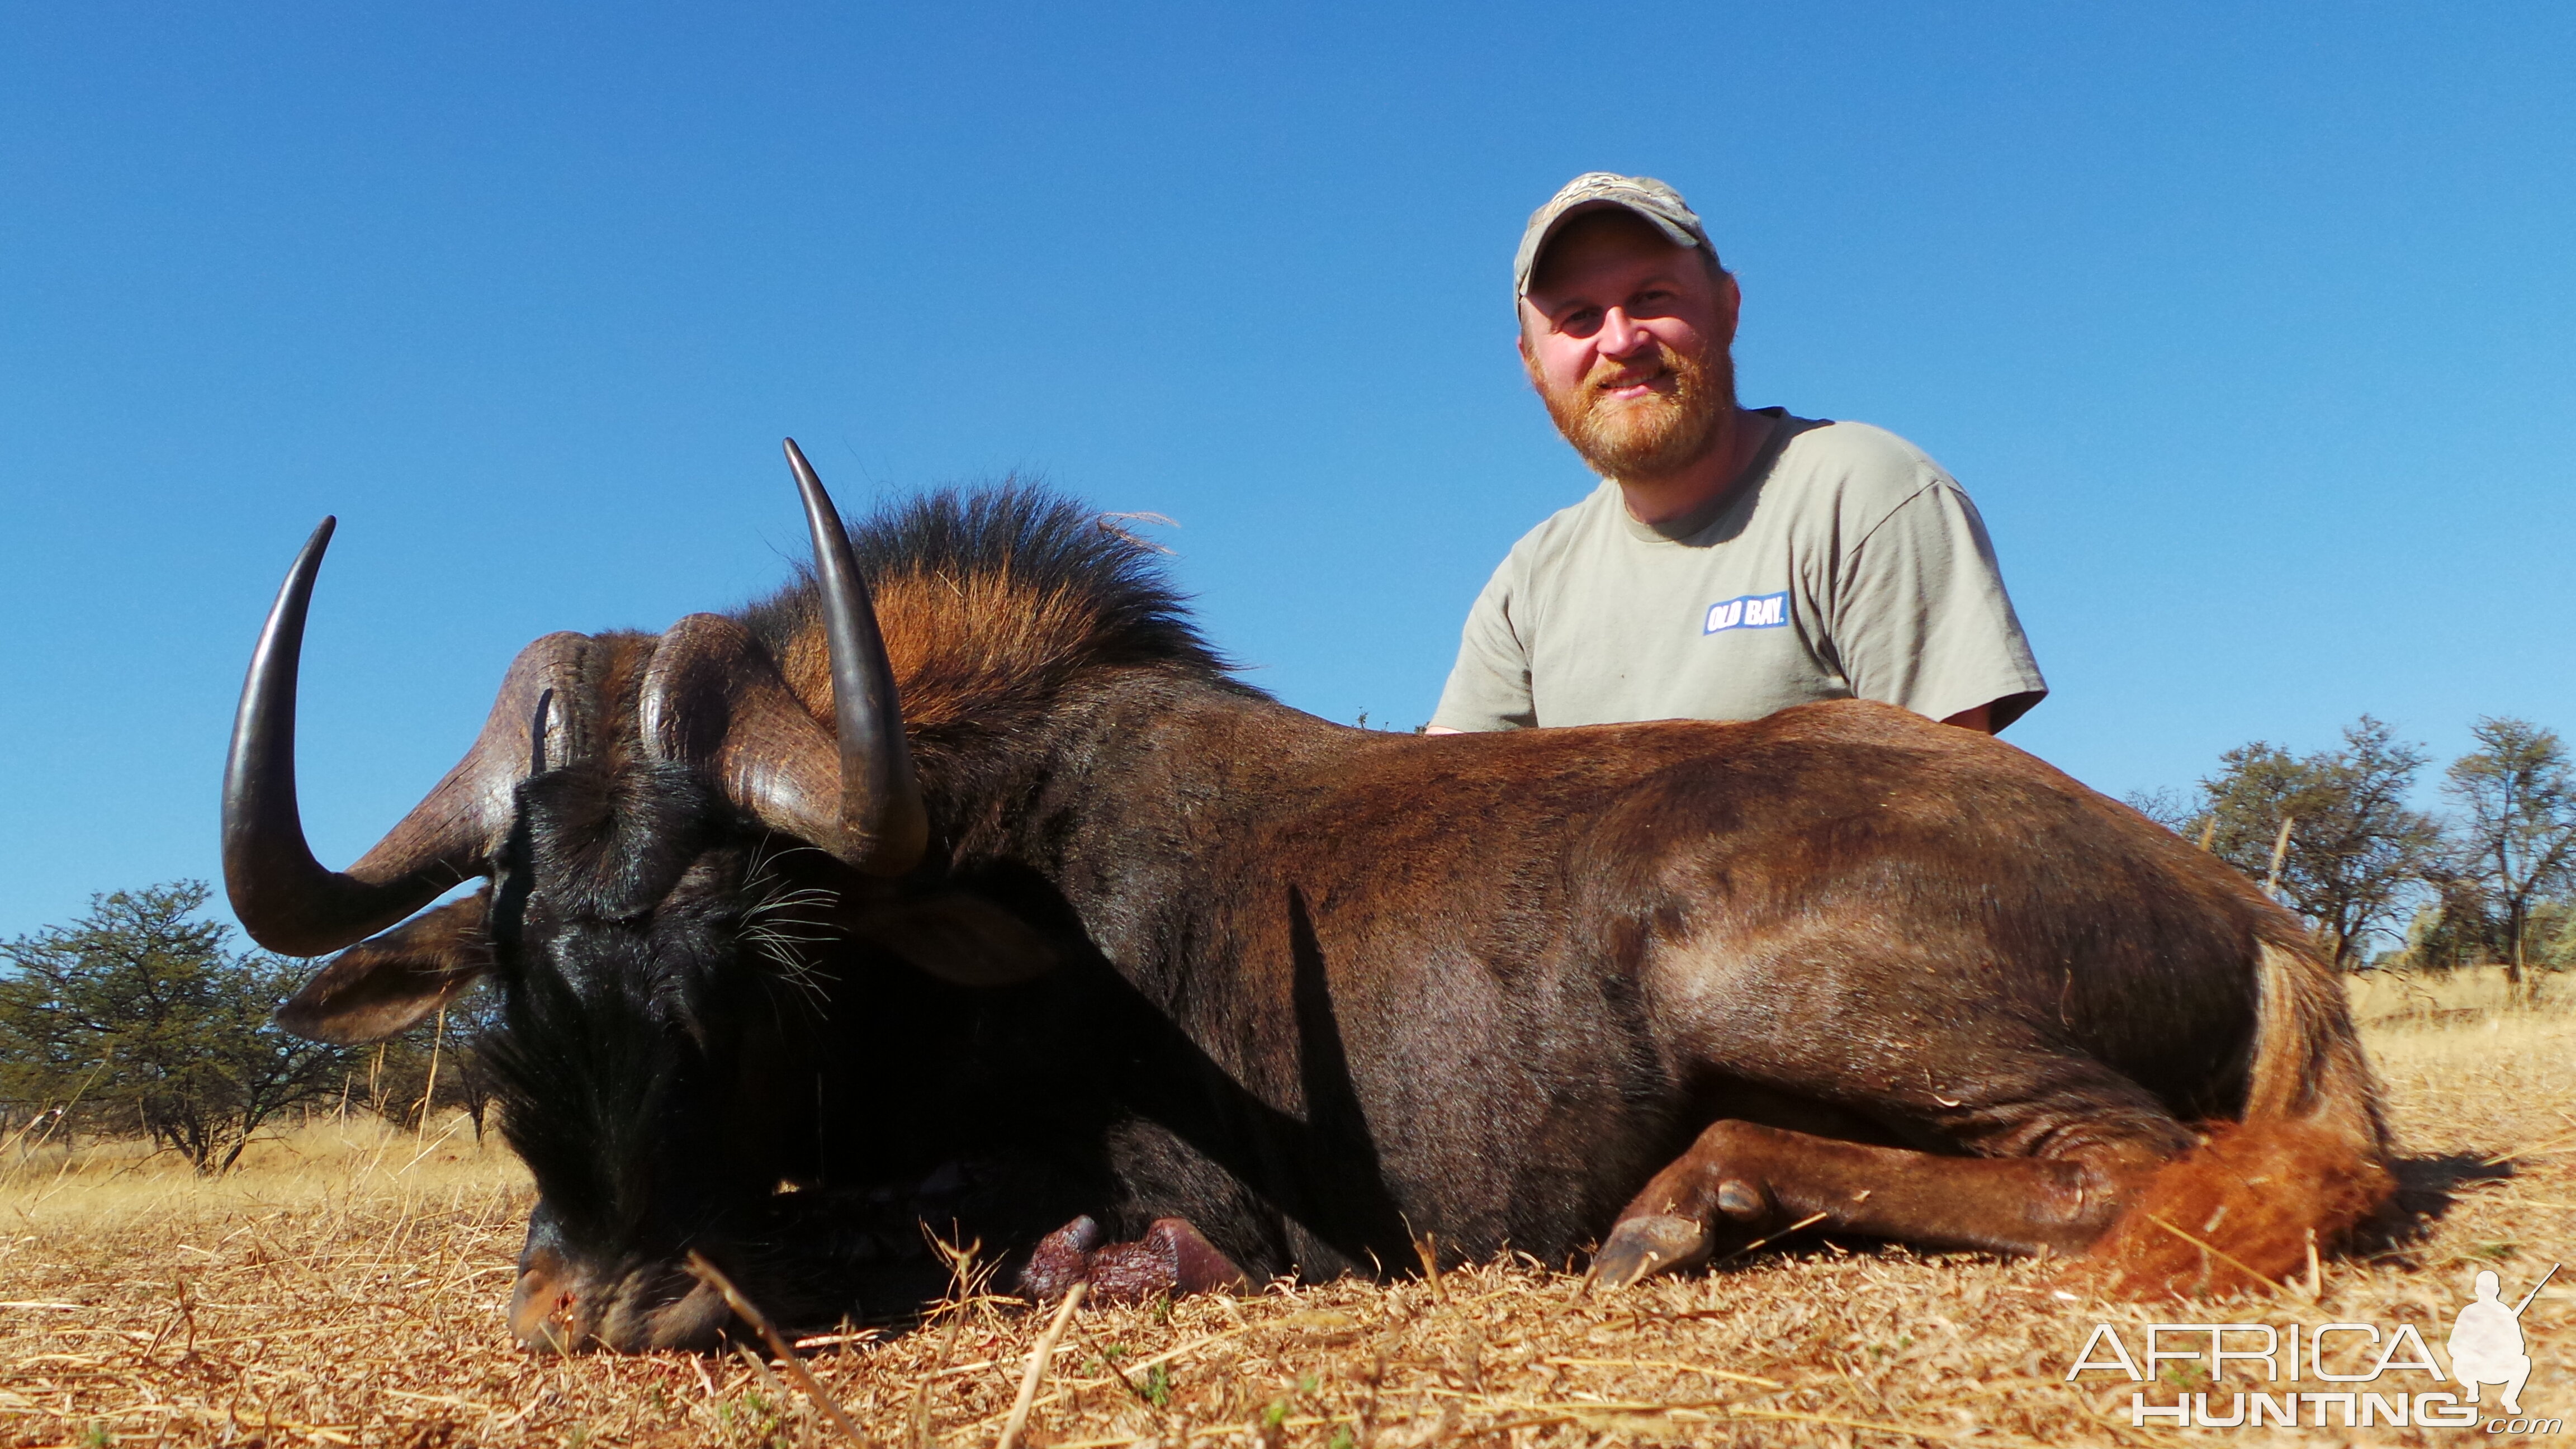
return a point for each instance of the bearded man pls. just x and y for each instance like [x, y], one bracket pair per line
[1733, 561]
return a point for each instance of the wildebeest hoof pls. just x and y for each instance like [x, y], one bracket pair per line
[1651, 1243]
[1060, 1260]
[1172, 1257]
[1740, 1200]
[1198, 1266]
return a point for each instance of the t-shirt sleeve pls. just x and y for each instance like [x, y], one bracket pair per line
[1922, 619]
[1489, 686]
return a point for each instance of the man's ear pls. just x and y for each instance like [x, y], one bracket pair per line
[385, 983]
[964, 941]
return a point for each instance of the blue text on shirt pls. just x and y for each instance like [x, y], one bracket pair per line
[1752, 611]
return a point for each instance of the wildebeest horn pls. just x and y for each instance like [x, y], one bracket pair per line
[715, 699]
[286, 899]
[880, 799]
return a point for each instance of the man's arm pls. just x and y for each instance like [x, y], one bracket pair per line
[1981, 719]
[1489, 687]
[1922, 620]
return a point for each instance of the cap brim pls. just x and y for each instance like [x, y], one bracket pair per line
[1534, 243]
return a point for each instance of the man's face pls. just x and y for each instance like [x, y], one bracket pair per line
[1626, 339]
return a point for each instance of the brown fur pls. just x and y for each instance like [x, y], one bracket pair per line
[2301, 1170]
[974, 652]
[963, 650]
[2239, 1212]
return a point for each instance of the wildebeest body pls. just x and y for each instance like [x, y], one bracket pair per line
[1321, 991]
[1495, 1019]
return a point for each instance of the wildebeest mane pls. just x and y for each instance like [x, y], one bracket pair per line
[991, 600]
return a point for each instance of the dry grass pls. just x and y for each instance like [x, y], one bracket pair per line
[345, 1288]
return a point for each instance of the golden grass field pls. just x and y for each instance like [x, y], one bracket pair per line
[345, 1286]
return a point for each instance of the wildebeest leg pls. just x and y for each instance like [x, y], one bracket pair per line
[1172, 1258]
[1744, 1180]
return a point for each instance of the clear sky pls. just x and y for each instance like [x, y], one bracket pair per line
[2248, 327]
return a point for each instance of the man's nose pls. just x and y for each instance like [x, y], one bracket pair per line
[1620, 335]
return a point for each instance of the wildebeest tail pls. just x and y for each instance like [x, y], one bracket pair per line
[2307, 1162]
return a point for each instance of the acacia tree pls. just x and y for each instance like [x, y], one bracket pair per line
[143, 1012]
[2455, 928]
[2356, 854]
[2514, 840]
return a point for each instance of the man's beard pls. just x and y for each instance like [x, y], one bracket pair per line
[1652, 436]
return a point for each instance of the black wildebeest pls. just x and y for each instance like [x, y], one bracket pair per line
[996, 900]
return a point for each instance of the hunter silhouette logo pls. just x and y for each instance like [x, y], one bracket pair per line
[2486, 1341]
[2384, 1376]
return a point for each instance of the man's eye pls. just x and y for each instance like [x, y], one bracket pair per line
[1580, 324]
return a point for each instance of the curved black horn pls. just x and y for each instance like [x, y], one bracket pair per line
[287, 900]
[880, 798]
[284, 897]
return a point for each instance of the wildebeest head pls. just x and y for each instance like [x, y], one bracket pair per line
[664, 827]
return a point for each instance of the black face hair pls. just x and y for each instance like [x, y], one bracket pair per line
[619, 912]
[619, 922]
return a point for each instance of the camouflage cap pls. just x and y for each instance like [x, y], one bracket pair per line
[1594, 190]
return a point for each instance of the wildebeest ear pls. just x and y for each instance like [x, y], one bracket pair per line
[386, 982]
[964, 941]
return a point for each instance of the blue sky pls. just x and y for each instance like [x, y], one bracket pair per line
[2249, 328]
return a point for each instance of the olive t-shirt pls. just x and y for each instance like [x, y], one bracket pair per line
[1842, 564]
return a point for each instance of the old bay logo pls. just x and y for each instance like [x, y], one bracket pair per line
[1749, 611]
[2486, 1350]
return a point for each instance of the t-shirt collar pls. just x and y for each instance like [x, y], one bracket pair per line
[1738, 489]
